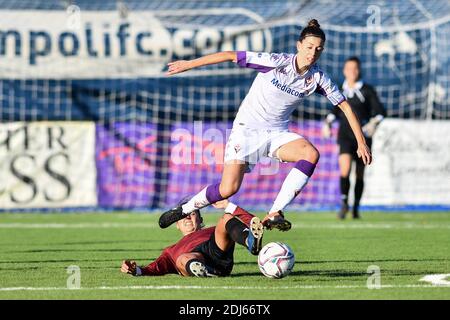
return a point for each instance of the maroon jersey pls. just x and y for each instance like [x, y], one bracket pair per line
[166, 262]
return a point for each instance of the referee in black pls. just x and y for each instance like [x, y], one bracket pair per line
[366, 105]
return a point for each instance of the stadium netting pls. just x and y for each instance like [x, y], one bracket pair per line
[160, 138]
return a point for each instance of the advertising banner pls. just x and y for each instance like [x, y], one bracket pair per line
[47, 165]
[78, 44]
[411, 164]
[125, 156]
[197, 160]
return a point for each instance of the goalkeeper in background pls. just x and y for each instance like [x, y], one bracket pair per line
[366, 105]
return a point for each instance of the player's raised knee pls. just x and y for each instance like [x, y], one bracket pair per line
[183, 259]
[226, 217]
[312, 154]
[220, 227]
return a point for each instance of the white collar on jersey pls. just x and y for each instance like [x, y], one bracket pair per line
[350, 92]
[294, 66]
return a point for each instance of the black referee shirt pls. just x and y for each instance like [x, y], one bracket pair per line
[364, 110]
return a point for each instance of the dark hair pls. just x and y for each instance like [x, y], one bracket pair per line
[312, 29]
[354, 59]
[358, 63]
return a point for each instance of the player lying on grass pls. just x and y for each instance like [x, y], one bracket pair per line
[204, 252]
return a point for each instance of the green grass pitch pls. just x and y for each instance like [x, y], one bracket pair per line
[332, 258]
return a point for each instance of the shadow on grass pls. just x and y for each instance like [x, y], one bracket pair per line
[86, 250]
[371, 261]
[347, 273]
[246, 274]
[108, 242]
[331, 274]
[87, 242]
[307, 273]
[116, 268]
[354, 261]
[76, 260]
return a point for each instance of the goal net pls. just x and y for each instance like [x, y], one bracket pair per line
[140, 139]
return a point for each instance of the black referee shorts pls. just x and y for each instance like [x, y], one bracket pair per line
[350, 146]
[221, 261]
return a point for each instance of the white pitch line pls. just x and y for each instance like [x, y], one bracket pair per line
[168, 287]
[107, 225]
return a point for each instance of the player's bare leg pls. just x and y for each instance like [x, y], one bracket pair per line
[223, 239]
[245, 229]
[232, 176]
[345, 165]
[306, 157]
[192, 264]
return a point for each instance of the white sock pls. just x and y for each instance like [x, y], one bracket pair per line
[197, 202]
[292, 186]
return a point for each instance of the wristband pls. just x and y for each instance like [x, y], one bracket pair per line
[138, 271]
[231, 208]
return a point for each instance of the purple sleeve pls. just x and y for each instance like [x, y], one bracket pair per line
[242, 58]
[261, 62]
[328, 89]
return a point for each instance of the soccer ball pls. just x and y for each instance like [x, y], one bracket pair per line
[276, 260]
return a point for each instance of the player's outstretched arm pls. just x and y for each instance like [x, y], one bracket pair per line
[161, 266]
[363, 150]
[184, 65]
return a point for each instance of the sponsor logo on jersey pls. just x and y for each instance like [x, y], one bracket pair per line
[282, 70]
[237, 148]
[286, 89]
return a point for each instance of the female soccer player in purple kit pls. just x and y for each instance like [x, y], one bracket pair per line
[260, 128]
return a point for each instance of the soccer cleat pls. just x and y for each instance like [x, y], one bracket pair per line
[199, 269]
[255, 235]
[172, 216]
[343, 211]
[277, 221]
